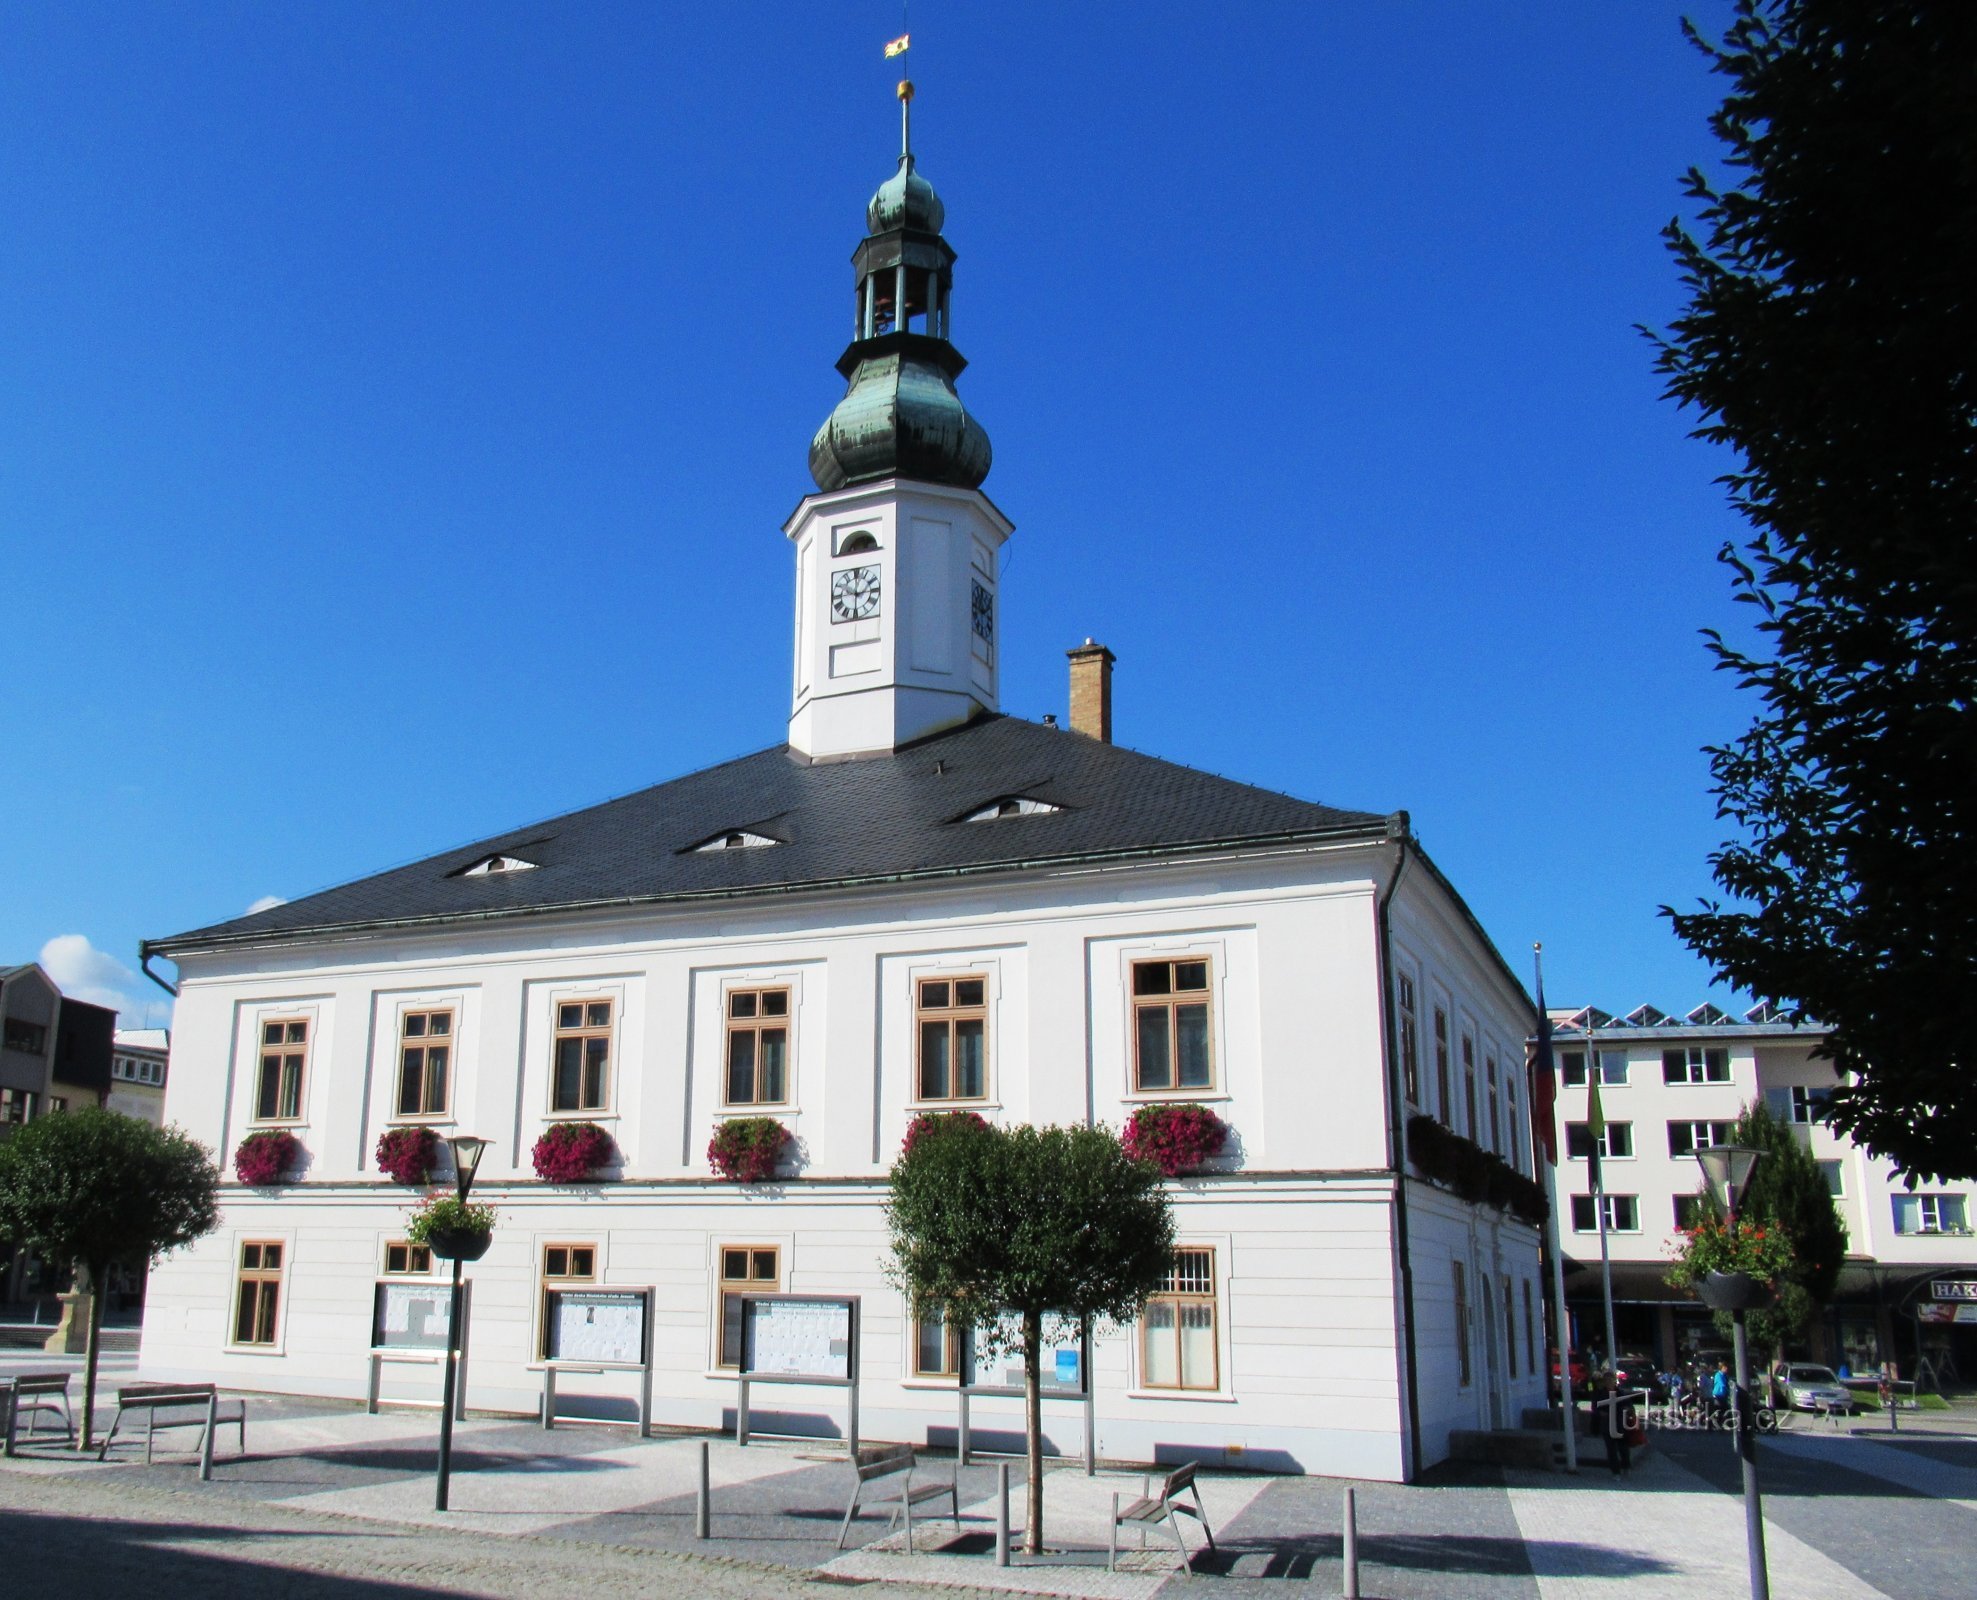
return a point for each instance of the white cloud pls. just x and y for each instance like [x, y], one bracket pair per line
[83, 972]
[267, 902]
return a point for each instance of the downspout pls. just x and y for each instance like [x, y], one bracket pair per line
[1398, 833]
[145, 958]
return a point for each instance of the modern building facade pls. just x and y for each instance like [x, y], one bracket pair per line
[137, 1073]
[1671, 1084]
[911, 904]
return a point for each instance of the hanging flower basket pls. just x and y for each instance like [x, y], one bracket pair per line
[451, 1228]
[264, 1158]
[1177, 1139]
[1730, 1267]
[408, 1155]
[572, 1152]
[1733, 1291]
[933, 1124]
[747, 1149]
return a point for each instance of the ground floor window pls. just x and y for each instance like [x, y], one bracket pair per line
[745, 1269]
[257, 1305]
[402, 1259]
[564, 1266]
[936, 1347]
[1177, 1329]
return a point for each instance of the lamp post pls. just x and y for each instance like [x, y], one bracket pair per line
[1727, 1168]
[467, 1151]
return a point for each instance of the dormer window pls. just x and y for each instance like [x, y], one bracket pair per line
[488, 866]
[735, 839]
[1012, 805]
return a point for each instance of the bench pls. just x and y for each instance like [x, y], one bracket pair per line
[183, 1405]
[877, 1472]
[34, 1393]
[1162, 1507]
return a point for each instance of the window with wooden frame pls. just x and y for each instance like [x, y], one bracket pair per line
[425, 1063]
[1410, 1039]
[936, 1346]
[1442, 1107]
[1171, 1026]
[1510, 1325]
[758, 1047]
[1461, 1324]
[403, 1259]
[745, 1269]
[1177, 1329]
[284, 1062]
[257, 1302]
[1474, 1128]
[581, 1053]
[1496, 1106]
[564, 1266]
[1510, 1100]
[951, 1024]
[1530, 1333]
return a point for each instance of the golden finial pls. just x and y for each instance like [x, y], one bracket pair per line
[906, 88]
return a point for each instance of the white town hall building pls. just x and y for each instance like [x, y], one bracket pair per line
[915, 903]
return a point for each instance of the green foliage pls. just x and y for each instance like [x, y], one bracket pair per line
[448, 1213]
[1764, 1250]
[1827, 340]
[105, 1190]
[1040, 1221]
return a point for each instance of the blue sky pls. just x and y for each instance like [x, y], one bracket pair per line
[399, 406]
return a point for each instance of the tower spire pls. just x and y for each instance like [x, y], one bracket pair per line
[906, 120]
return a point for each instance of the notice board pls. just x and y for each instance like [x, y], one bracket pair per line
[793, 1337]
[408, 1315]
[606, 1326]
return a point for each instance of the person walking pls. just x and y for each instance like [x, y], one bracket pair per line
[1610, 1414]
[1721, 1387]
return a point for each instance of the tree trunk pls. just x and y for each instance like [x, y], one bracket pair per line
[97, 1272]
[1033, 1434]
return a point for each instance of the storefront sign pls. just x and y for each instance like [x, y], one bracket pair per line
[1954, 1289]
[1934, 1311]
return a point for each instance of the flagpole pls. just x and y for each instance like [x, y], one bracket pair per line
[1598, 1176]
[1561, 1324]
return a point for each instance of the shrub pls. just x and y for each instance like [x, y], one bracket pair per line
[930, 1124]
[1175, 1138]
[446, 1213]
[746, 1149]
[407, 1154]
[262, 1158]
[571, 1152]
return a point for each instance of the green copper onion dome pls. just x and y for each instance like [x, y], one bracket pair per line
[900, 416]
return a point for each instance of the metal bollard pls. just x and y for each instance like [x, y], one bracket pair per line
[702, 1506]
[1002, 1514]
[1351, 1550]
[212, 1427]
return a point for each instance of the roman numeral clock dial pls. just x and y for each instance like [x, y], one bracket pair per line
[854, 594]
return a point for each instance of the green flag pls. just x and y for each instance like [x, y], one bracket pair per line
[1595, 1121]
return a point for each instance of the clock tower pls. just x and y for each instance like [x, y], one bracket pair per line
[897, 553]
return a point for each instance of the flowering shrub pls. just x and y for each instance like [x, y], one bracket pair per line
[1764, 1250]
[746, 1149]
[1175, 1138]
[448, 1214]
[930, 1123]
[263, 1157]
[407, 1154]
[570, 1152]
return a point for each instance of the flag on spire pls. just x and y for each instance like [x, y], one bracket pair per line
[899, 46]
[1544, 1084]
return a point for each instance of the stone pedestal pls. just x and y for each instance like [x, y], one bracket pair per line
[71, 1335]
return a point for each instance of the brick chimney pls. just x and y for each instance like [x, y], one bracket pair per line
[1091, 690]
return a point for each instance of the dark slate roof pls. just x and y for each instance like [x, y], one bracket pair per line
[870, 820]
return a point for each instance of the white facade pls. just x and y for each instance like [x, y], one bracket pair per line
[1675, 1082]
[896, 612]
[1310, 1366]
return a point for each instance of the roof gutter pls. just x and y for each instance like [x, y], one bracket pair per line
[1398, 832]
[275, 938]
[145, 955]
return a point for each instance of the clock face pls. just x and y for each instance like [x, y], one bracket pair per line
[854, 594]
[981, 613]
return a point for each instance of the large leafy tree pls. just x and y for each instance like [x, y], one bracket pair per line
[1830, 339]
[99, 1190]
[1038, 1224]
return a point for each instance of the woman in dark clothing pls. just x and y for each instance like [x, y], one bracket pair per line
[1610, 1416]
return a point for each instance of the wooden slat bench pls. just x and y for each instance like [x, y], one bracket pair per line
[34, 1393]
[183, 1405]
[877, 1473]
[1162, 1507]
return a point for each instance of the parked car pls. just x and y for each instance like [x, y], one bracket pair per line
[1636, 1370]
[1805, 1387]
[1581, 1370]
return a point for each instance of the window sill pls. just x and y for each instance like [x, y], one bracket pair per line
[1212, 1396]
[936, 1385]
[760, 1108]
[429, 1119]
[255, 1124]
[1170, 1096]
[256, 1350]
[580, 1116]
[935, 1107]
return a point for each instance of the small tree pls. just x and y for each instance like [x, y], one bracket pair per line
[101, 1190]
[1787, 1189]
[1042, 1224]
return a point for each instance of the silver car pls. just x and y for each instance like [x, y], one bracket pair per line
[1805, 1387]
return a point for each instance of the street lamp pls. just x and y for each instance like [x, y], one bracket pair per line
[467, 1152]
[1727, 1169]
